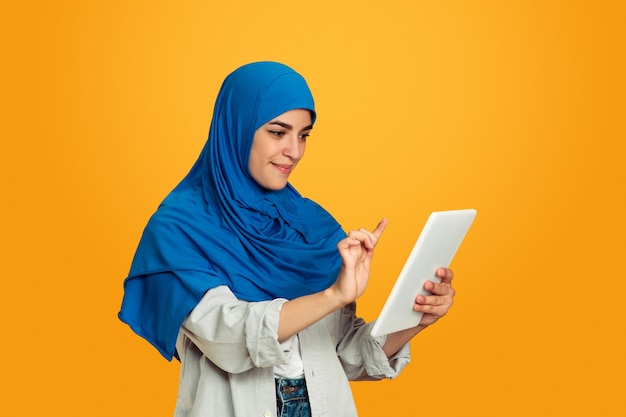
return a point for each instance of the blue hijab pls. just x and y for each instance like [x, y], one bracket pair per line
[219, 227]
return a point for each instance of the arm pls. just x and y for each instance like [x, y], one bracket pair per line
[238, 335]
[356, 251]
[361, 355]
[364, 358]
[433, 306]
[235, 335]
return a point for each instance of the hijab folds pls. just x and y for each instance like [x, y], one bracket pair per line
[219, 227]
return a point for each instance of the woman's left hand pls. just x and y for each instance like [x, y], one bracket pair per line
[436, 306]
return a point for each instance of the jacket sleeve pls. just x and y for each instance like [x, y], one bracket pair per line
[236, 335]
[362, 355]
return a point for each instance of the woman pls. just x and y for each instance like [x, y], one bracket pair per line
[253, 287]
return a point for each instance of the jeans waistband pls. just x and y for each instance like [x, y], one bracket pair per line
[288, 389]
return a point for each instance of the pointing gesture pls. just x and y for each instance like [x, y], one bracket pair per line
[356, 251]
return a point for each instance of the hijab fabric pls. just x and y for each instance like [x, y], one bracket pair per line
[219, 227]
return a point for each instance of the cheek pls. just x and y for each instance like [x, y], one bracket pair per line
[253, 165]
[255, 156]
[258, 161]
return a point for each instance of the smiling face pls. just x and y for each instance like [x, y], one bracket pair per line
[277, 148]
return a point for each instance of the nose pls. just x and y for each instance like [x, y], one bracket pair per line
[294, 147]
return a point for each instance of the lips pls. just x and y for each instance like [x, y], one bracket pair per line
[284, 169]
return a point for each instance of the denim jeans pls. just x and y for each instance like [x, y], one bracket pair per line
[292, 398]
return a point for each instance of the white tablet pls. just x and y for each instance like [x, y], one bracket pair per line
[435, 247]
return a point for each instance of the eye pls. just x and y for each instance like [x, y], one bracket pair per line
[303, 136]
[277, 133]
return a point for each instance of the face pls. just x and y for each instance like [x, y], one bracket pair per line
[277, 148]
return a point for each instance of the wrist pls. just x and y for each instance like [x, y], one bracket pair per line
[334, 298]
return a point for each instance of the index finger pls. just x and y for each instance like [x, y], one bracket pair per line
[380, 227]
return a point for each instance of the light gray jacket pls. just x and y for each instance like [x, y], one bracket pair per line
[228, 349]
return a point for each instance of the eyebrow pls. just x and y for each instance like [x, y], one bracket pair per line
[287, 125]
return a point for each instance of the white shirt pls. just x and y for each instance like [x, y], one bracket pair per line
[295, 367]
[228, 350]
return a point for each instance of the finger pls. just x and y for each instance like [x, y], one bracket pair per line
[380, 227]
[431, 302]
[446, 275]
[439, 289]
[359, 235]
[370, 239]
[425, 308]
[376, 233]
[349, 242]
[364, 236]
[436, 311]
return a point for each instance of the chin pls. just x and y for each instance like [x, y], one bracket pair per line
[276, 187]
[272, 184]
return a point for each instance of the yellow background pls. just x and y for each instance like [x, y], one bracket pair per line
[513, 108]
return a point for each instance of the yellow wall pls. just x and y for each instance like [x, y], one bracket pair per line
[513, 108]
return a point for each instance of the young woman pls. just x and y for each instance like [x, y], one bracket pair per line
[253, 287]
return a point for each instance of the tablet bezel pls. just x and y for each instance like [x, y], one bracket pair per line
[436, 246]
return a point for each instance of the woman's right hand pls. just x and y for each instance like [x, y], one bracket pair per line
[356, 251]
